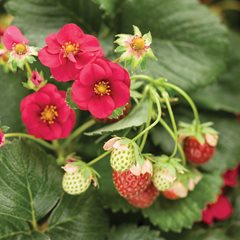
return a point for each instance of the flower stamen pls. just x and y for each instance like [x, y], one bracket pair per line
[137, 43]
[20, 48]
[49, 114]
[70, 47]
[102, 88]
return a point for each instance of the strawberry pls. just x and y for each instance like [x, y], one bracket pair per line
[197, 152]
[133, 181]
[165, 172]
[177, 191]
[75, 183]
[163, 178]
[144, 199]
[122, 160]
[127, 184]
[78, 177]
[124, 153]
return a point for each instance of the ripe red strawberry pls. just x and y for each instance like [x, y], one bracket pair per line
[144, 199]
[128, 184]
[196, 152]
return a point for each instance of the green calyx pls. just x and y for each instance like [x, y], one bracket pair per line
[197, 130]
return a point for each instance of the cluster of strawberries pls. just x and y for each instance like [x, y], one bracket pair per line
[140, 182]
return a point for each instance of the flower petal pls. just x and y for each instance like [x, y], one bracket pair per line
[52, 43]
[65, 73]
[48, 59]
[69, 33]
[120, 93]
[101, 107]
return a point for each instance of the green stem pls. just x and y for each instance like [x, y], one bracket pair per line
[147, 124]
[28, 68]
[188, 98]
[142, 77]
[24, 135]
[156, 99]
[174, 125]
[78, 131]
[171, 133]
[98, 158]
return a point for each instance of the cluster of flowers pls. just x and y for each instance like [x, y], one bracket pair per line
[100, 86]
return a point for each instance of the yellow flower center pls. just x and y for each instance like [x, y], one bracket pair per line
[49, 114]
[102, 88]
[70, 47]
[138, 43]
[20, 48]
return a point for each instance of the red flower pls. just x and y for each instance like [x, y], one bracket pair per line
[102, 87]
[220, 210]
[14, 39]
[231, 177]
[46, 114]
[68, 50]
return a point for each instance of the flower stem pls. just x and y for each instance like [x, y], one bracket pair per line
[78, 131]
[24, 135]
[147, 124]
[142, 77]
[171, 115]
[28, 68]
[188, 98]
[159, 111]
[171, 133]
[98, 158]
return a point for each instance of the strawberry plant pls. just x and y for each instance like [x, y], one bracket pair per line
[119, 119]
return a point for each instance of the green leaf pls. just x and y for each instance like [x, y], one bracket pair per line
[188, 40]
[175, 215]
[12, 228]
[132, 232]
[38, 18]
[30, 181]
[69, 100]
[31, 191]
[12, 92]
[135, 118]
[78, 218]
[204, 234]
[224, 94]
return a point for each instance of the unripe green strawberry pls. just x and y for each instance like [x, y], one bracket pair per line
[124, 153]
[122, 160]
[164, 177]
[75, 183]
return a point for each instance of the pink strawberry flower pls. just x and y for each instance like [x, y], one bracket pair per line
[18, 45]
[220, 210]
[46, 114]
[68, 50]
[102, 87]
[2, 138]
